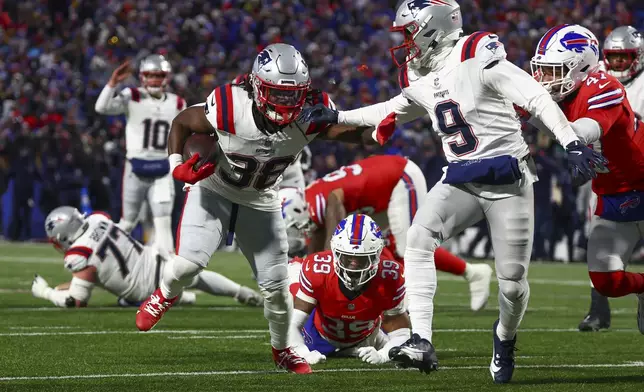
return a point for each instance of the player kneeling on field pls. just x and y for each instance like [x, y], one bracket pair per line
[349, 301]
[99, 253]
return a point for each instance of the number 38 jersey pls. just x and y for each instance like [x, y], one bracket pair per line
[344, 321]
[124, 267]
[148, 119]
[252, 161]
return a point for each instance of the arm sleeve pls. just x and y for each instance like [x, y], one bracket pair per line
[516, 85]
[80, 289]
[372, 115]
[298, 319]
[396, 338]
[587, 129]
[108, 103]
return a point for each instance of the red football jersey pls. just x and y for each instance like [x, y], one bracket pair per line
[602, 98]
[345, 321]
[367, 186]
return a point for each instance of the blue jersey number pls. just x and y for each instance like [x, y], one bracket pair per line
[450, 122]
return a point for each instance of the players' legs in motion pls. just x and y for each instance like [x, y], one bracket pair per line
[511, 222]
[406, 197]
[133, 194]
[446, 211]
[216, 284]
[610, 246]
[198, 236]
[161, 199]
[262, 239]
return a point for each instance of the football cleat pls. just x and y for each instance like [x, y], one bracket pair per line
[152, 309]
[640, 312]
[479, 279]
[593, 323]
[502, 365]
[416, 353]
[289, 360]
[598, 316]
[248, 296]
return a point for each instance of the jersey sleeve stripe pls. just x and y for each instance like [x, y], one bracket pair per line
[80, 251]
[403, 77]
[602, 96]
[220, 109]
[607, 104]
[543, 43]
[180, 103]
[469, 46]
[399, 296]
[305, 284]
[136, 96]
[230, 119]
[413, 196]
[306, 298]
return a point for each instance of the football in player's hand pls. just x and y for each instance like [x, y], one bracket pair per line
[203, 144]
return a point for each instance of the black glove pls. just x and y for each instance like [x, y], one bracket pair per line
[319, 114]
[582, 162]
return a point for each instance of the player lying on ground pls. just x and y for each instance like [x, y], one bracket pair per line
[349, 301]
[467, 87]
[99, 253]
[390, 189]
[566, 62]
[257, 135]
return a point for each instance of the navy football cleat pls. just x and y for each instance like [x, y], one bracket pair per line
[502, 365]
[416, 353]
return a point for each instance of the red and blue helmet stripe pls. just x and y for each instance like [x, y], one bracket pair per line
[356, 233]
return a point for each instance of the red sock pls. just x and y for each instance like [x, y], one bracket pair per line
[447, 262]
[617, 283]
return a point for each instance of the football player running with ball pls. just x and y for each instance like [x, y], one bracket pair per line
[146, 174]
[468, 88]
[349, 301]
[258, 136]
[566, 62]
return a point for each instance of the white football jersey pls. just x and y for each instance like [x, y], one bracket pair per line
[148, 119]
[635, 94]
[124, 267]
[253, 162]
[473, 120]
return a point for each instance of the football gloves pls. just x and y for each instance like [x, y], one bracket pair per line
[584, 162]
[319, 114]
[187, 173]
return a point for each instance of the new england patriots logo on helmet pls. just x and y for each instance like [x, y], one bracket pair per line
[415, 6]
[263, 58]
[51, 225]
[578, 42]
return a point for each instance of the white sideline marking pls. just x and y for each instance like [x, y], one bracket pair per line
[31, 259]
[348, 370]
[122, 309]
[256, 331]
[218, 337]
[19, 327]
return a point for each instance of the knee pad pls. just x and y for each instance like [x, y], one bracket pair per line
[514, 290]
[277, 304]
[126, 225]
[273, 277]
[420, 238]
[511, 271]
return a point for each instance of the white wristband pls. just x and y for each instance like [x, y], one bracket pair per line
[374, 135]
[175, 160]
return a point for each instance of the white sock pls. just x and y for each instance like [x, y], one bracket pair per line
[420, 280]
[216, 284]
[177, 273]
[163, 234]
[278, 307]
[511, 310]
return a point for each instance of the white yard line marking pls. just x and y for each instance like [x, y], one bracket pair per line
[219, 337]
[14, 291]
[232, 331]
[21, 327]
[125, 309]
[31, 259]
[348, 370]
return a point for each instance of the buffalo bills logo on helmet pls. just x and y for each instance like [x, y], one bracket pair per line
[340, 227]
[375, 229]
[578, 42]
[633, 202]
[285, 203]
[415, 6]
[264, 58]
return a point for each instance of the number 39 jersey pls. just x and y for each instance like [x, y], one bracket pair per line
[343, 321]
[124, 267]
[367, 185]
[252, 161]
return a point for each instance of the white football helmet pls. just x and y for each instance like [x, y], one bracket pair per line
[356, 244]
[154, 73]
[565, 56]
[63, 226]
[295, 211]
[625, 46]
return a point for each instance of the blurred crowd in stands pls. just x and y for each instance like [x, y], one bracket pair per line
[56, 56]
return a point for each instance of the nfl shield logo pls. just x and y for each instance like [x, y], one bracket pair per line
[351, 306]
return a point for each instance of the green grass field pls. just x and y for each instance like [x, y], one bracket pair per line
[218, 345]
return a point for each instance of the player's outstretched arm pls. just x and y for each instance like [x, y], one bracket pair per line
[398, 329]
[78, 294]
[107, 102]
[335, 212]
[373, 115]
[301, 312]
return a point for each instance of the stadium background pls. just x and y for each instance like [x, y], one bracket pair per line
[56, 56]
